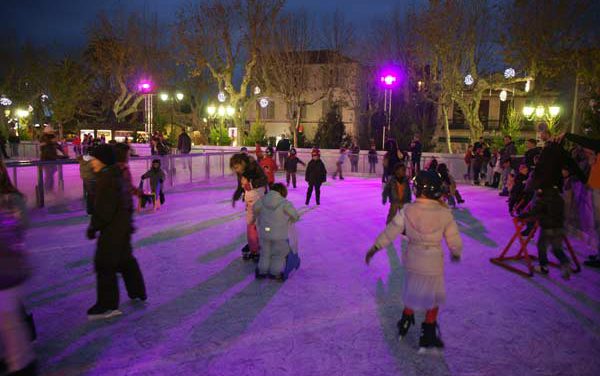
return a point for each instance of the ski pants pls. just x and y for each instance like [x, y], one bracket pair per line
[338, 170]
[15, 341]
[317, 188]
[289, 175]
[107, 264]
[272, 256]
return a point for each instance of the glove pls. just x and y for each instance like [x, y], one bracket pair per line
[454, 258]
[374, 249]
[91, 233]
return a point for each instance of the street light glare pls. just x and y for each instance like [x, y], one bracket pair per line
[179, 96]
[554, 111]
[539, 111]
[230, 111]
[221, 111]
[528, 111]
[22, 113]
[389, 79]
[164, 97]
[211, 110]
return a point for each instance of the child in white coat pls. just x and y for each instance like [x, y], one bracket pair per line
[274, 214]
[425, 222]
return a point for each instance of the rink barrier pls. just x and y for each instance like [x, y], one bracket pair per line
[35, 179]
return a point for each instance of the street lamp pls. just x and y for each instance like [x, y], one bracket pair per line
[145, 88]
[177, 97]
[550, 114]
[221, 112]
[389, 78]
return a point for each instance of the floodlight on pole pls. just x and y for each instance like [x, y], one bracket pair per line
[539, 111]
[164, 97]
[221, 111]
[179, 96]
[389, 78]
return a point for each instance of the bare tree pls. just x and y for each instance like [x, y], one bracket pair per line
[122, 50]
[225, 37]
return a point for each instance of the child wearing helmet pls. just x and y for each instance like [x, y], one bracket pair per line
[425, 223]
[291, 167]
[269, 165]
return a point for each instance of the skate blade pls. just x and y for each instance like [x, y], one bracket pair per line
[429, 351]
[105, 316]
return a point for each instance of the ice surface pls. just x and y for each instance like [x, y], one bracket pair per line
[206, 315]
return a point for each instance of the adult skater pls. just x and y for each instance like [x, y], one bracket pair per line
[315, 175]
[274, 214]
[425, 222]
[252, 182]
[113, 218]
[397, 191]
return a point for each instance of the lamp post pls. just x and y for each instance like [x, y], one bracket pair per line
[388, 79]
[178, 96]
[550, 114]
[21, 114]
[222, 112]
[145, 88]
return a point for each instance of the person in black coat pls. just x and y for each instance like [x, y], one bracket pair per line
[283, 147]
[416, 150]
[532, 151]
[113, 218]
[291, 167]
[315, 175]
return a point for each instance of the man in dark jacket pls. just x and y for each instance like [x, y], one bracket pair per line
[315, 175]
[416, 150]
[113, 218]
[184, 143]
[283, 147]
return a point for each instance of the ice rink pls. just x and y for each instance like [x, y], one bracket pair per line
[207, 315]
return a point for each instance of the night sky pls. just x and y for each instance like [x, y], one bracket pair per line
[61, 24]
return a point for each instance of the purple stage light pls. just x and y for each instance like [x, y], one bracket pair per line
[145, 86]
[390, 78]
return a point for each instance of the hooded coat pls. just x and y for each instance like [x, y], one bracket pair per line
[274, 214]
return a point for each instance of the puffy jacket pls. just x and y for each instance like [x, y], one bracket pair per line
[254, 174]
[315, 172]
[274, 214]
[291, 163]
[269, 165]
[397, 192]
[156, 176]
[426, 223]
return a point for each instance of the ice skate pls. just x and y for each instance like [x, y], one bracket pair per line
[99, 313]
[404, 324]
[246, 252]
[430, 341]
[260, 276]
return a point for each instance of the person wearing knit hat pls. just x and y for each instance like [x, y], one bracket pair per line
[315, 175]
[290, 166]
[113, 218]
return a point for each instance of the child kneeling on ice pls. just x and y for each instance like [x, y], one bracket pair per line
[274, 214]
[425, 222]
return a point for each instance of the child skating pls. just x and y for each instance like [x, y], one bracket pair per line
[291, 167]
[397, 191]
[274, 215]
[269, 165]
[315, 175]
[425, 223]
[340, 164]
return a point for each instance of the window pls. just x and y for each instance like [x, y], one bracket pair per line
[458, 118]
[504, 111]
[484, 112]
[267, 113]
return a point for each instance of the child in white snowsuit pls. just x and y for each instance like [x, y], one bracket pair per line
[274, 214]
[425, 222]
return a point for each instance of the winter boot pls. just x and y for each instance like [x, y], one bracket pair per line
[99, 313]
[246, 252]
[260, 276]
[404, 324]
[459, 198]
[430, 339]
